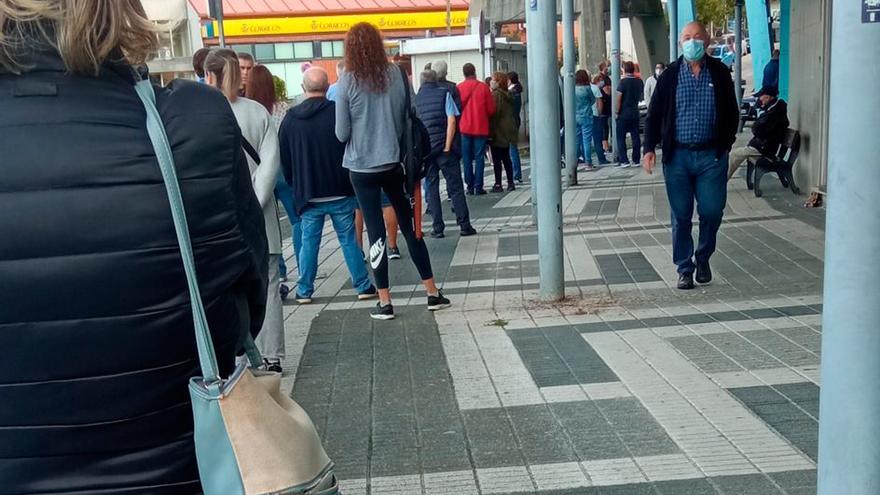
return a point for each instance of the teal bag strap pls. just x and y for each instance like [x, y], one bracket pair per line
[204, 343]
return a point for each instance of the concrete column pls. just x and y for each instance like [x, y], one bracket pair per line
[849, 426]
[592, 34]
[738, 67]
[615, 73]
[672, 10]
[545, 156]
[568, 60]
[650, 35]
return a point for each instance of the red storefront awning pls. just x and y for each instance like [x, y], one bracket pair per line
[284, 8]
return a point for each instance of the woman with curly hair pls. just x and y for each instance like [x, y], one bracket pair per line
[370, 119]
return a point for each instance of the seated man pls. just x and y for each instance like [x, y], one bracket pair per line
[769, 130]
[311, 160]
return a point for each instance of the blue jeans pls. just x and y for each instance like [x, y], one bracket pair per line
[473, 149]
[695, 175]
[341, 213]
[517, 162]
[599, 124]
[284, 193]
[585, 132]
[629, 125]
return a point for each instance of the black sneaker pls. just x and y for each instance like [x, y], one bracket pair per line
[704, 272]
[370, 293]
[438, 302]
[273, 366]
[437, 235]
[480, 192]
[303, 299]
[497, 188]
[468, 231]
[393, 253]
[511, 187]
[686, 281]
[469, 192]
[382, 312]
[284, 290]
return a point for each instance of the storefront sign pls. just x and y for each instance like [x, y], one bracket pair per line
[276, 26]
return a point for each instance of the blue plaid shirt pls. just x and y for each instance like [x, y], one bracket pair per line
[694, 106]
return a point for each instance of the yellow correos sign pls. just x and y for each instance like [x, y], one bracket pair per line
[398, 21]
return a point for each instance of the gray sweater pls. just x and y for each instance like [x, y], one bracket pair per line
[370, 123]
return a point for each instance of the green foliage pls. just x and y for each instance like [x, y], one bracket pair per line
[280, 88]
[714, 11]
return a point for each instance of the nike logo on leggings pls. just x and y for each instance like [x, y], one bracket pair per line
[377, 251]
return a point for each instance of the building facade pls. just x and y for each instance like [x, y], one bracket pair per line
[285, 35]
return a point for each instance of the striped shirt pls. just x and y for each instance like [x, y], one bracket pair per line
[694, 106]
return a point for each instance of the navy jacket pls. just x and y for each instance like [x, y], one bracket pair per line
[431, 109]
[660, 124]
[95, 320]
[311, 156]
[770, 128]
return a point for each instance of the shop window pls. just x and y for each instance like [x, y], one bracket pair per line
[265, 52]
[283, 51]
[303, 51]
[242, 48]
[331, 49]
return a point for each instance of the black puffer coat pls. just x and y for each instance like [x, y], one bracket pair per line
[95, 326]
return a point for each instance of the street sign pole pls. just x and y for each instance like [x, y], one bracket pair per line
[849, 410]
[568, 57]
[545, 156]
[620, 154]
[672, 7]
[215, 11]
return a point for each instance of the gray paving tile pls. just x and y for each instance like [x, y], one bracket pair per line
[491, 439]
[541, 437]
[756, 484]
[685, 487]
[786, 414]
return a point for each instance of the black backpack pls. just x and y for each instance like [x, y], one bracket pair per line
[415, 145]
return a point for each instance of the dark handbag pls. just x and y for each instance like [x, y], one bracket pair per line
[415, 145]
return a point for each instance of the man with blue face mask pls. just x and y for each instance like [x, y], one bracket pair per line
[693, 117]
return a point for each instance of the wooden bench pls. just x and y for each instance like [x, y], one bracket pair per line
[781, 164]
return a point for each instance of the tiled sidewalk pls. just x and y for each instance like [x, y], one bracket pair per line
[627, 387]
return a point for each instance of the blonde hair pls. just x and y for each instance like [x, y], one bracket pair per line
[223, 63]
[84, 32]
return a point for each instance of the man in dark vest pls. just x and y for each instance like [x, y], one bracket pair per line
[436, 108]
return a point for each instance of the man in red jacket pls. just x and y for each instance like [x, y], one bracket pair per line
[477, 106]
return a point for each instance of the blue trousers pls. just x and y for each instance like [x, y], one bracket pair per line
[284, 193]
[517, 162]
[448, 165]
[341, 213]
[700, 176]
[585, 134]
[629, 125]
[473, 151]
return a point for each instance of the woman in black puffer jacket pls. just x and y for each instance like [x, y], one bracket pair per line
[95, 325]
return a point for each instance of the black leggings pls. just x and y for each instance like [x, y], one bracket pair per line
[367, 188]
[501, 158]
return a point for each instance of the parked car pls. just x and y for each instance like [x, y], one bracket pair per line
[724, 54]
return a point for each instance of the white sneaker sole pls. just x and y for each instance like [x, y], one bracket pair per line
[438, 307]
[382, 317]
[367, 297]
[304, 301]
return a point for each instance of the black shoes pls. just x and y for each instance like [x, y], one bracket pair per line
[704, 272]
[380, 312]
[393, 253]
[480, 192]
[468, 231]
[437, 235]
[273, 366]
[438, 302]
[370, 293]
[511, 187]
[686, 281]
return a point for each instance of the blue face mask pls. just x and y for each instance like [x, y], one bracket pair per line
[693, 50]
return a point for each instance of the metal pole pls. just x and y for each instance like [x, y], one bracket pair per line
[532, 74]
[849, 414]
[448, 17]
[672, 7]
[615, 75]
[568, 61]
[738, 68]
[220, 31]
[545, 154]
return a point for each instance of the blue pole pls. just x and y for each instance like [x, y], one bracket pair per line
[849, 415]
[687, 13]
[737, 72]
[784, 47]
[568, 56]
[615, 75]
[545, 157]
[672, 10]
[759, 37]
